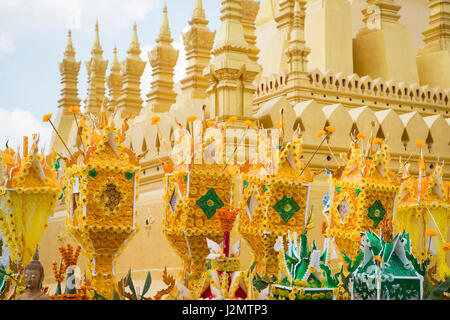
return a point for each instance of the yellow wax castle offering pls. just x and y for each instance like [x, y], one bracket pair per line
[423, 208]
[29, 190]
[275, 198]
[101, 191]
[363, 195]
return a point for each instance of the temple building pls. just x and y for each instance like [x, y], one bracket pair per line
[340, 63]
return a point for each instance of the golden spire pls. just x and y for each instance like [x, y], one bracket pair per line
[69, 53]
[164, 31]
[97, 49]
[115, 66]
[198, 42]
[69, 69]
[250, 10]
[297, 53]
[96, 69]
[231, 71]
[130, 102]
[115, 79]
[135, 48]
[163, 59]
[198, 12]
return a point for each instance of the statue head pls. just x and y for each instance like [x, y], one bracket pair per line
[34, 273]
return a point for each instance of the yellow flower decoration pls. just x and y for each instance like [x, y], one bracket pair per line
[312, 269]
[320, 133]
[330, 129]
[232, 120]
[278, 124]
[430, 233]
[377, 141]
[47, 117]
[191, 119]
[420, 143]
[361, 135]
[74, 109]
[379, 259]
[155, 120]
[210, 123]
[249, 123]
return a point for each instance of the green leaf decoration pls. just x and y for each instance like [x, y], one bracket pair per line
[369, 158]
[376, 212]
[245, 184]
[116, 295]
[148, 282]
[7, 141]
[129, 175]
[264, 188]
[358, 191]
[286, 208]
[92, 173]
[185, 178]
[421, 268]
[353, 265]
[338, 189]
[259, 283]
[323, 256]
[62, 194]
[57, 165]
[130, 284]
[210, 203]
[443, 286]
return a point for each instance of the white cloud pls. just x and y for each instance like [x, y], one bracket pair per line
[113, 14]
[18, 123]
[6, 43]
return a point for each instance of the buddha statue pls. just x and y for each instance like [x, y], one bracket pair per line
[34, 277]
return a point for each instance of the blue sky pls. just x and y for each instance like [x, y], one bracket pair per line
[33, 35]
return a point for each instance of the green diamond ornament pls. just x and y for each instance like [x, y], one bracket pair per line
[286, 208]
[92, 173]
[129, 175]
[210, 203]
[376, 213]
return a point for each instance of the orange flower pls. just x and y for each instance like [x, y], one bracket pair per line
[361, 135]
[377, 141]
[356, 237]
[155, 120]
[191, 119]
[420, 143]
[210, 123]
[430, 233]
[378, 258]
[249, 123]
[279, 125]
[446, 246]
[330, 129]
[320, 133]
[232, 120]
[47, 117]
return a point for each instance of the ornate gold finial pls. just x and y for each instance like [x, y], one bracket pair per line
[198, 12]
[163, 59]
[135, 48]
[97, 49]
[70, 51]
[164, 32]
